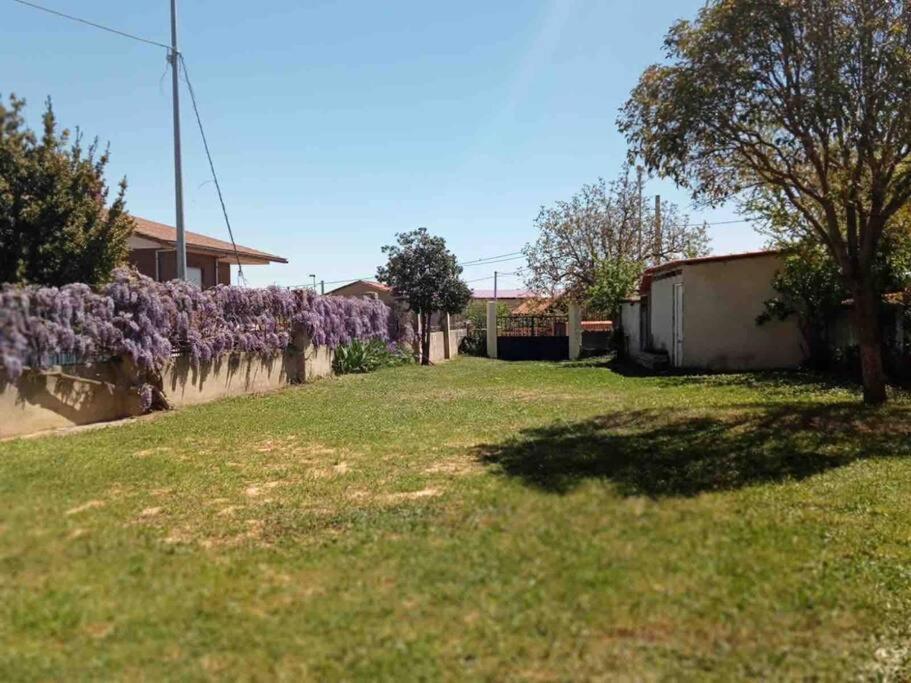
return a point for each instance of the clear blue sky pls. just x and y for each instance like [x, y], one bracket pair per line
[336, 124]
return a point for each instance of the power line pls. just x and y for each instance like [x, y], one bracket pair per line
[469, 263]
[488, 261]
[92, 24]
[205, 144]
[492, 262]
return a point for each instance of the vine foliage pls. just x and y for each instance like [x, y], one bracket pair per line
[137, 318]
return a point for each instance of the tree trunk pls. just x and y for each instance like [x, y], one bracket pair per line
[866, 321]
[425, 339]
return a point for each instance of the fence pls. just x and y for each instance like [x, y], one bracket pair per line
[538, 337]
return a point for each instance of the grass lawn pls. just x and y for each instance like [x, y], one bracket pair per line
[476, 520]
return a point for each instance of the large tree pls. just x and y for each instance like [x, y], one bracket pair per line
[55, 226]
[606, 228]
[807, 102]
[427, 275]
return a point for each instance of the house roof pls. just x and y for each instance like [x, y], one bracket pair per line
[369, 283]
[536, 306]
[650, 273]
[166, 235]
[503, 294]
[670, 265]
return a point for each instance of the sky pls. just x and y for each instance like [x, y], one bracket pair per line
[336, 124]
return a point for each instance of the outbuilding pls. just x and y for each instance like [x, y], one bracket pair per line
[700, 314]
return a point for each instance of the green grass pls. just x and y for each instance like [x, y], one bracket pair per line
[477, 520]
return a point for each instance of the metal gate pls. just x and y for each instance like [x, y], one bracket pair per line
[532, 337]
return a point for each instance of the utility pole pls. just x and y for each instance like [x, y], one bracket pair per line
[178, 166]
[322, 286]
[494, 285]
[313, 275]
[639, 172]
[658, 240]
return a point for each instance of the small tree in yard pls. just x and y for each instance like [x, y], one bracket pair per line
[600, 231]
[613, 282]
[808, 102]
[54, 226]
[426, 274]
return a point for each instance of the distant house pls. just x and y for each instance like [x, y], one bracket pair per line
[511, 298]
[365, 288]
[153, 253]
[701, 313]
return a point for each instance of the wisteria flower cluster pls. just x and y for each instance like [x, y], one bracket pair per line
[147, 321]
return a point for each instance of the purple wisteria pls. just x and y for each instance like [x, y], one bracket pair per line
[147, 321]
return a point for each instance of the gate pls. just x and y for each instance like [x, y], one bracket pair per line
[532, 337]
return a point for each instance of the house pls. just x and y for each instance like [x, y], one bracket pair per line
[700, 313]
[365, 288]
[153, 253]
[511, 298]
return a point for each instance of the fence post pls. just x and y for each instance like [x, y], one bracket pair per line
[447, 340]
[575, 331]
[491, 329]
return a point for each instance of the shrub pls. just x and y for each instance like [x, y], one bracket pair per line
[361, 357]
[474, 343]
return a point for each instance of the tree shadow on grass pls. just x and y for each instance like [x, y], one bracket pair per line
[804, 379]
[662, 453]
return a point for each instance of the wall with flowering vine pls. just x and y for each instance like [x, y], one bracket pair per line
[148, 322]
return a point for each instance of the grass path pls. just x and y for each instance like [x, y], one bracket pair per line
[476, 520]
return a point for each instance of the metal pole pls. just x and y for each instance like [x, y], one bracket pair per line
[178, 167]
[322, 286]
[314, 282]
[658, 237]
[494, 285]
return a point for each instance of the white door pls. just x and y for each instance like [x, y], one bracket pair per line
[677, 348]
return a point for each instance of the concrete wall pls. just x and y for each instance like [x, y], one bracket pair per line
[661, 303]
[721, 300]
[67, 396]
[438, 346]
[86, 394]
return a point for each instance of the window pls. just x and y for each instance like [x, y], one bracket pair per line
[194, 275]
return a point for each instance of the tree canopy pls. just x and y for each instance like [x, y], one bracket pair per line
[55, 227]
[807, 104]
[606, 228]
[422, 271]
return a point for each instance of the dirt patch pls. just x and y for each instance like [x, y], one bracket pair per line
[99, 631]
[457, 468]
[149, 452]
[257, 490]
[230, 510]
[179, 536]
[412, 495]
[90, 505]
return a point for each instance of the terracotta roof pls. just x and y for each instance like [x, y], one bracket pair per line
[502, 294]
[598, 325]
[535, 306]
[167, 235]
[369, 283]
